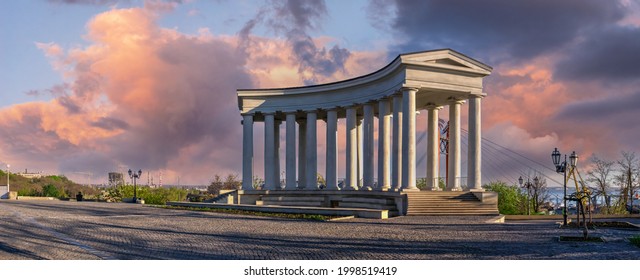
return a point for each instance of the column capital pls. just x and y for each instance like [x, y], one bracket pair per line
[410, 89]
[384, 98]
[431, 106]
[453, 100]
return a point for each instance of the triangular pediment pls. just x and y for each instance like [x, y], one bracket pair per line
[446, 61]
[446, 58]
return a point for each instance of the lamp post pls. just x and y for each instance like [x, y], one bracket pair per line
[561, 167]
[135, 176]
[520, 181]
[8, 190]
[528, 185]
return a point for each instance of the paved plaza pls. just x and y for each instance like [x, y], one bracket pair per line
[90, 230]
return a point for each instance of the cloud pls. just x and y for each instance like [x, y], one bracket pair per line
[507, 29]
[137, 95]
[294, 20]
[607, 54]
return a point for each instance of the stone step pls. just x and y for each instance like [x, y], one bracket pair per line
[461, 212]
[452, 214]
[447, 203]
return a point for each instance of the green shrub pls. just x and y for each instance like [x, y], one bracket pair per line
[50, 191]
[28, 192]
[635, 240]
[511, 199]
[158, 196]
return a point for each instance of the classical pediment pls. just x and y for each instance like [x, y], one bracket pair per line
[446, 58]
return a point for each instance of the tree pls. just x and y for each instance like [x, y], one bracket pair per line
[511, 199]
[216, 185]
[539, 193]
[628, 176]
[230, 183]
[600, 175]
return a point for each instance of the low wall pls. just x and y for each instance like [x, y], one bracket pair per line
[362, 213]
[326, 198]
[35, 198]
[486, 197]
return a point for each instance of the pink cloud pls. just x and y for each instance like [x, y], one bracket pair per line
[152, 98]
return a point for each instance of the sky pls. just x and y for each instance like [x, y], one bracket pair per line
[93, 86]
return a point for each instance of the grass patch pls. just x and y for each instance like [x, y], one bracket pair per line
[635, 240]
[313, 217]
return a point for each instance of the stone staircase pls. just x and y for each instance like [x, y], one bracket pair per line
[446, 203]
[223, 198]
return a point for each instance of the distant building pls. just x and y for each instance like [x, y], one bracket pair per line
[30, 175]
[116, 179]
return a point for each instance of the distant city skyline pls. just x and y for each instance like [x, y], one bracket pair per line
[95, 86]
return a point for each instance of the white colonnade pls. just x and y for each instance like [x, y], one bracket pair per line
[393, 95]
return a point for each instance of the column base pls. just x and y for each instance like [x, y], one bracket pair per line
[413, 189]
[435, 189]
[384, 188]
[457, 189]
[477, 190]
[351, 188]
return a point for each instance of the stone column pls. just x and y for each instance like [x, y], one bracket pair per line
[433, 143]
[384, 145]
[360, 143]
[396, 145]
[247, 152]
[409, 139]
[332, 150]
[290, 167]
[454, 145]
[302, 153]
[351, 182]
[269, 152]
[312, 151]
[474, 170]
[276, 150]
[367, 130]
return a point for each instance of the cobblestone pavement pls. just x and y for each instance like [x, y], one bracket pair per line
[90, 230]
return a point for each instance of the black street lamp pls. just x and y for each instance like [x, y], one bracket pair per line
[528, 185]
[561, 167]
[135, 176]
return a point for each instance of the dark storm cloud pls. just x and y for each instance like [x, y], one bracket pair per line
[294, 20]
[608, 109]
[517, 29]
[609, 54]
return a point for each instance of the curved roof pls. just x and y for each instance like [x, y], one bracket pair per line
[439, 75]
